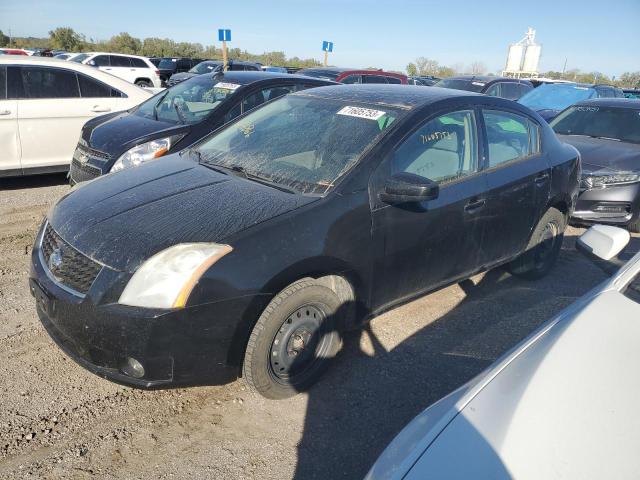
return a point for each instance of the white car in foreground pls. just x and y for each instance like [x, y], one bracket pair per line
[132, 68]
[563, 404]
[44, 103]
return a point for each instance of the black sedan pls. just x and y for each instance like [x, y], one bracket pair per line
[606, 132]
[250, 252]
[174, 119]
[503, 87]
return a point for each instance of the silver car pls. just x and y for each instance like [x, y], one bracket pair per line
[562, 404]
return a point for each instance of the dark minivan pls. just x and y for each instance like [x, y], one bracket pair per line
[174, 119]
[250, 252]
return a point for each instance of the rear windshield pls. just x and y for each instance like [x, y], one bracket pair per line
[167, 64]
[461, 84]
[556, 96]
[324, 74]
[80, 58]
[188, 102]
[604, 122]
[205, 67]
[299, 142]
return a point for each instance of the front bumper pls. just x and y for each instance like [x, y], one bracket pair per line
[197, 345]
[613, 205]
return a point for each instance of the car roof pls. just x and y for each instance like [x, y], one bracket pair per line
[329, 69]
[116, 54]
[246, 77]
[487, 78]
[632, 103]
[402, 96]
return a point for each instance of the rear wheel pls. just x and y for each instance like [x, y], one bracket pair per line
[543, 248]
[293, 341]
[143, 83]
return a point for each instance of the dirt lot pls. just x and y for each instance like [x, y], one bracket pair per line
[59, 421]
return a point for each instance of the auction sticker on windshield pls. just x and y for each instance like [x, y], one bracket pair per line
[227, 86]
[360, 112]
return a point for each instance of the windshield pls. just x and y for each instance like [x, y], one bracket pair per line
[299, 142]
[187, 102]
[461, 84]
[556, 96]
[594, 121]
[167, 64]
[80, 58]
[205, 67]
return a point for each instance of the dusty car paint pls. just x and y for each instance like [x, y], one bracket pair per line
[387, 253]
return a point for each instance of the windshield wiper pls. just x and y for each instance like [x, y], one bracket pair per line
[242, 172]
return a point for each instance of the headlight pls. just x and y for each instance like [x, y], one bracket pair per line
[144, 152]
[167, 279]
[596, 181]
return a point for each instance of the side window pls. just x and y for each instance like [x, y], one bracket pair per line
[443, 149]
[117, 61]
[184, 64]
[534, 138]
[3, 83]
[42, 82]
[264, 95]
[351, 79]
[101, 61]
[494, 90]
[373, 79]
[507, 136]
[510, 90]
[138, 63]
[90, 88]
[393, 80]
[233, 113]
[524, 88]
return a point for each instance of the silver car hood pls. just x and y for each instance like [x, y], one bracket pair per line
[562, 404]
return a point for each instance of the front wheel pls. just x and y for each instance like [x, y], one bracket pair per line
[293, 341]
[543, 248]
[143, 83]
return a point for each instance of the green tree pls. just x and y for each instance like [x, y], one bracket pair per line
[630, 79]
[412, 70]
[124, 43]
[4, 40]
[65, 38]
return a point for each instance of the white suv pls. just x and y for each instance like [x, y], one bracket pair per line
[132, 68]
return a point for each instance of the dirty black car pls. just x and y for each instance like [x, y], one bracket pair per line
[606, 132]
[249, 253]
[174, 119]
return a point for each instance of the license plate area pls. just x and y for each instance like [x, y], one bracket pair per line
[43, 300]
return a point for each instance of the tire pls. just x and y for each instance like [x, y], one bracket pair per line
[543, 248]
[294, 340]
[143, 83]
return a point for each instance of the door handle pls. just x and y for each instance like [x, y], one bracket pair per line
[474, 205]
[5, 112]
[542, 178]
[98, 109]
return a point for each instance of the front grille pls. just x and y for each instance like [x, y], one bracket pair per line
[90, 152]
[82, 172]
[68, 266]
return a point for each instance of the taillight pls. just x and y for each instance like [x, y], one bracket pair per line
[157, 72]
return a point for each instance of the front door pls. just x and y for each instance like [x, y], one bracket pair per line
[420, 246]
[9, 140]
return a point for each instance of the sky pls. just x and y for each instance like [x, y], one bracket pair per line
[590, 35]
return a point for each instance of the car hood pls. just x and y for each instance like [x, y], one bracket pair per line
[564, 401]
[115, 134]
[124, 218]
[182, 76]
[601, 155]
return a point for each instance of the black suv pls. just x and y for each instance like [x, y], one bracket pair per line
[503, 87]
[212, 66]
[175, 118]
[253, 250]
[170, 65]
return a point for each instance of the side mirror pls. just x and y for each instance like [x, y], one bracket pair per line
[409, 188]
[91, 63]
[602, 244]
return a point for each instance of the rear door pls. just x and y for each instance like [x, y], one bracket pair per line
[51, 113]
[9, 139]
[420, 246]
[518, 178]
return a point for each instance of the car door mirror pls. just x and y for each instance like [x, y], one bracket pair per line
[602, 244]
[91, 63]
[409, 188]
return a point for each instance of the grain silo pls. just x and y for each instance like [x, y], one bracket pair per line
[523, 57]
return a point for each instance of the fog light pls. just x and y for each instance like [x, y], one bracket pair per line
[132, 368]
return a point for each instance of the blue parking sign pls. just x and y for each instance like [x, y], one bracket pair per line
[224, 35]
[327, 46]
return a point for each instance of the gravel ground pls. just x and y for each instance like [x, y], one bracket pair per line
[59, 421]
